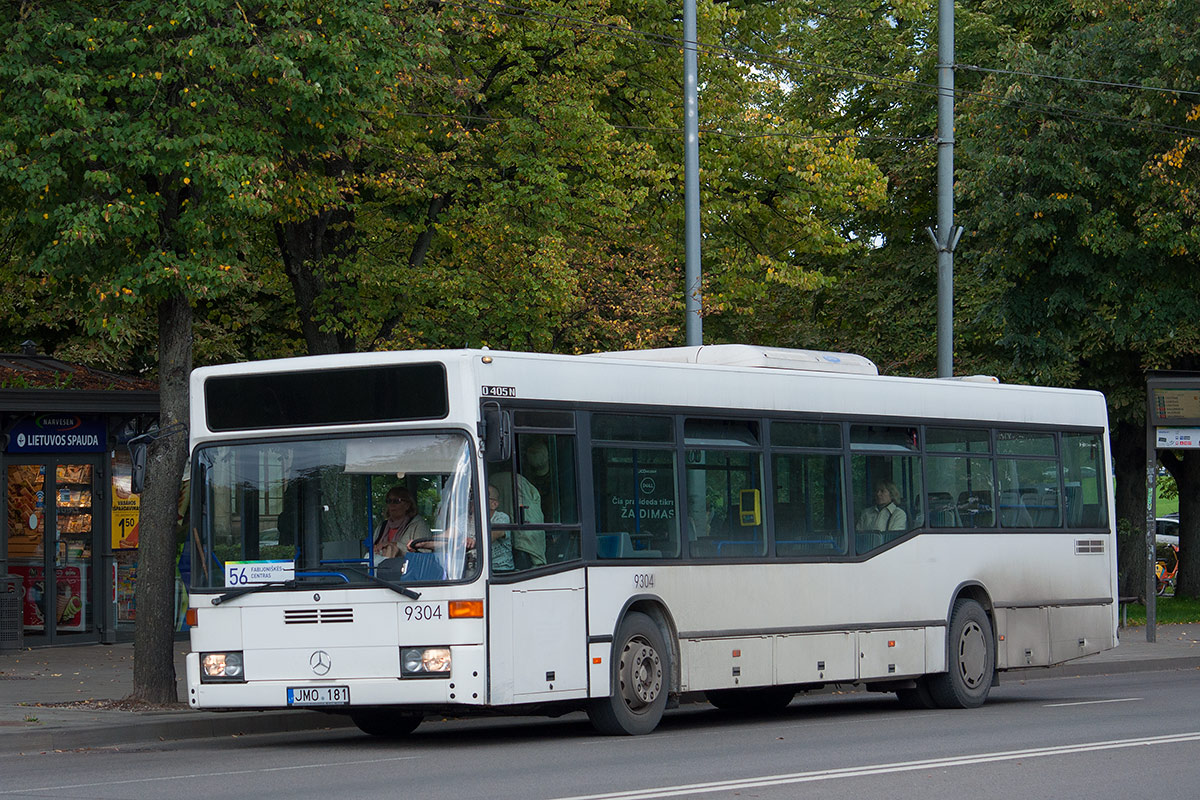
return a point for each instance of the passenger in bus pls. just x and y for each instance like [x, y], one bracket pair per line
[529, 546]
[400, 526]
[535, 468]
[502, 553]
[886, 514]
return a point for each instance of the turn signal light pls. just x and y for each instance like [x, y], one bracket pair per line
[190, 617]
[466, 609]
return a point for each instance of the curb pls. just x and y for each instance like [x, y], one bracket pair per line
[1074, 669]
[167, 727]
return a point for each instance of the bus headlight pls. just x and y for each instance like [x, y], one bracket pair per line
[425, 662]
[222, 668]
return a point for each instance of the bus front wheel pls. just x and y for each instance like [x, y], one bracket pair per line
[640, 680]
[384, 723]
[972, 659]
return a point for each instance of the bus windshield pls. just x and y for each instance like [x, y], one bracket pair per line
[398, 507]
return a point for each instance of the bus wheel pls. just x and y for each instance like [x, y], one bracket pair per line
[972, 659]
[756, 700]
[640, 680]
[386, 724]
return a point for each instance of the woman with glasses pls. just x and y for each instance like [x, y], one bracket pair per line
[400, 526]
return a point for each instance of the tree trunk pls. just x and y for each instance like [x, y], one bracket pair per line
[154, 636]
[312, 251]
[1129, 455]
[1187, 478]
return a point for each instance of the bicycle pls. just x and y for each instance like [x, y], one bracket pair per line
[1166, 570]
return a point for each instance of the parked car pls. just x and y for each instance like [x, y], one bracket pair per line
[1167, 530]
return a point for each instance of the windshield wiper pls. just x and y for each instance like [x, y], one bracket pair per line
[292, 584]
[288, 584]
[395, 587]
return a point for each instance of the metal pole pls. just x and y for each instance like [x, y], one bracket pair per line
[693, 329]
[1151, 513]
[947, 236]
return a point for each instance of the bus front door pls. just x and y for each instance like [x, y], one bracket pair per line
[538, 639]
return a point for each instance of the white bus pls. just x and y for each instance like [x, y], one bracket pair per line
[614, 532]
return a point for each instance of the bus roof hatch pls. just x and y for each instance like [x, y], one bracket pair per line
[745, 355]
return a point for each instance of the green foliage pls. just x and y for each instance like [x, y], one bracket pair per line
[524, 188]
[1084, 218]
[143, 147]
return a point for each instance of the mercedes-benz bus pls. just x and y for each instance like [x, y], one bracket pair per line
[613, 532]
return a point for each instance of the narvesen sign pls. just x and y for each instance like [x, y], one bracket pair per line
[57, 433]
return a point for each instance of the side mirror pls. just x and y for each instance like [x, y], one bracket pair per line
[497, 433]
[137, 457]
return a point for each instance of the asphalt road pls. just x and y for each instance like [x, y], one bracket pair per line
[1094, 737]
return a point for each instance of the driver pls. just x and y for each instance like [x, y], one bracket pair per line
[401, 525]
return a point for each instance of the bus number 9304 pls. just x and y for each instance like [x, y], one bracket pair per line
[422, 612]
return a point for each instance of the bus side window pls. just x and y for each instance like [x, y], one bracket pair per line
[1029, 478]
[635, 503]
[724, 505]
[887, 498]
[547, 462]
[1083, 467]
[808, 504]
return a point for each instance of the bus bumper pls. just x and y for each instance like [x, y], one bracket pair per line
[465, 685]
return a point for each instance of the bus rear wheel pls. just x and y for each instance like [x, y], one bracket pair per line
[972, 659]
[386, 724]
[640, 680]
[758, 700]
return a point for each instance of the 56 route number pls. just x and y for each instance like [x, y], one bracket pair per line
[422, 612]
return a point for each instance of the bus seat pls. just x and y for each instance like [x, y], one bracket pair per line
[975, 509]
[1047, 514]
[866, 541]
[942, 511]
[614, 545]
[1074, 503]
[1013, 513]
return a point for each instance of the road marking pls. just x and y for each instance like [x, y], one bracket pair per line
[1092, 702]
[884, 769]
[196, 775]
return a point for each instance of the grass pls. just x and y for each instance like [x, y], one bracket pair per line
[1166, 505]
[1167, 610]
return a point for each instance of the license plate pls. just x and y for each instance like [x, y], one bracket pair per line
[318, 695]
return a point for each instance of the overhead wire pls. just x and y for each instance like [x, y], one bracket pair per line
[1089, 81]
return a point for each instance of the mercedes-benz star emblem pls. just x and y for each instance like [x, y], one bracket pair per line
[320, 662]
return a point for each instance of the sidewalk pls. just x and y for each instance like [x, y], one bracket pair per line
[52, 699]
[48, 696]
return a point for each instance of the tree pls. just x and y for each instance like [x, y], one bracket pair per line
[867, 71]
[139, 146]
[550, 139]
[1083, 198]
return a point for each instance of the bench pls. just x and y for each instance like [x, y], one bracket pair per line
[1125, 602]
